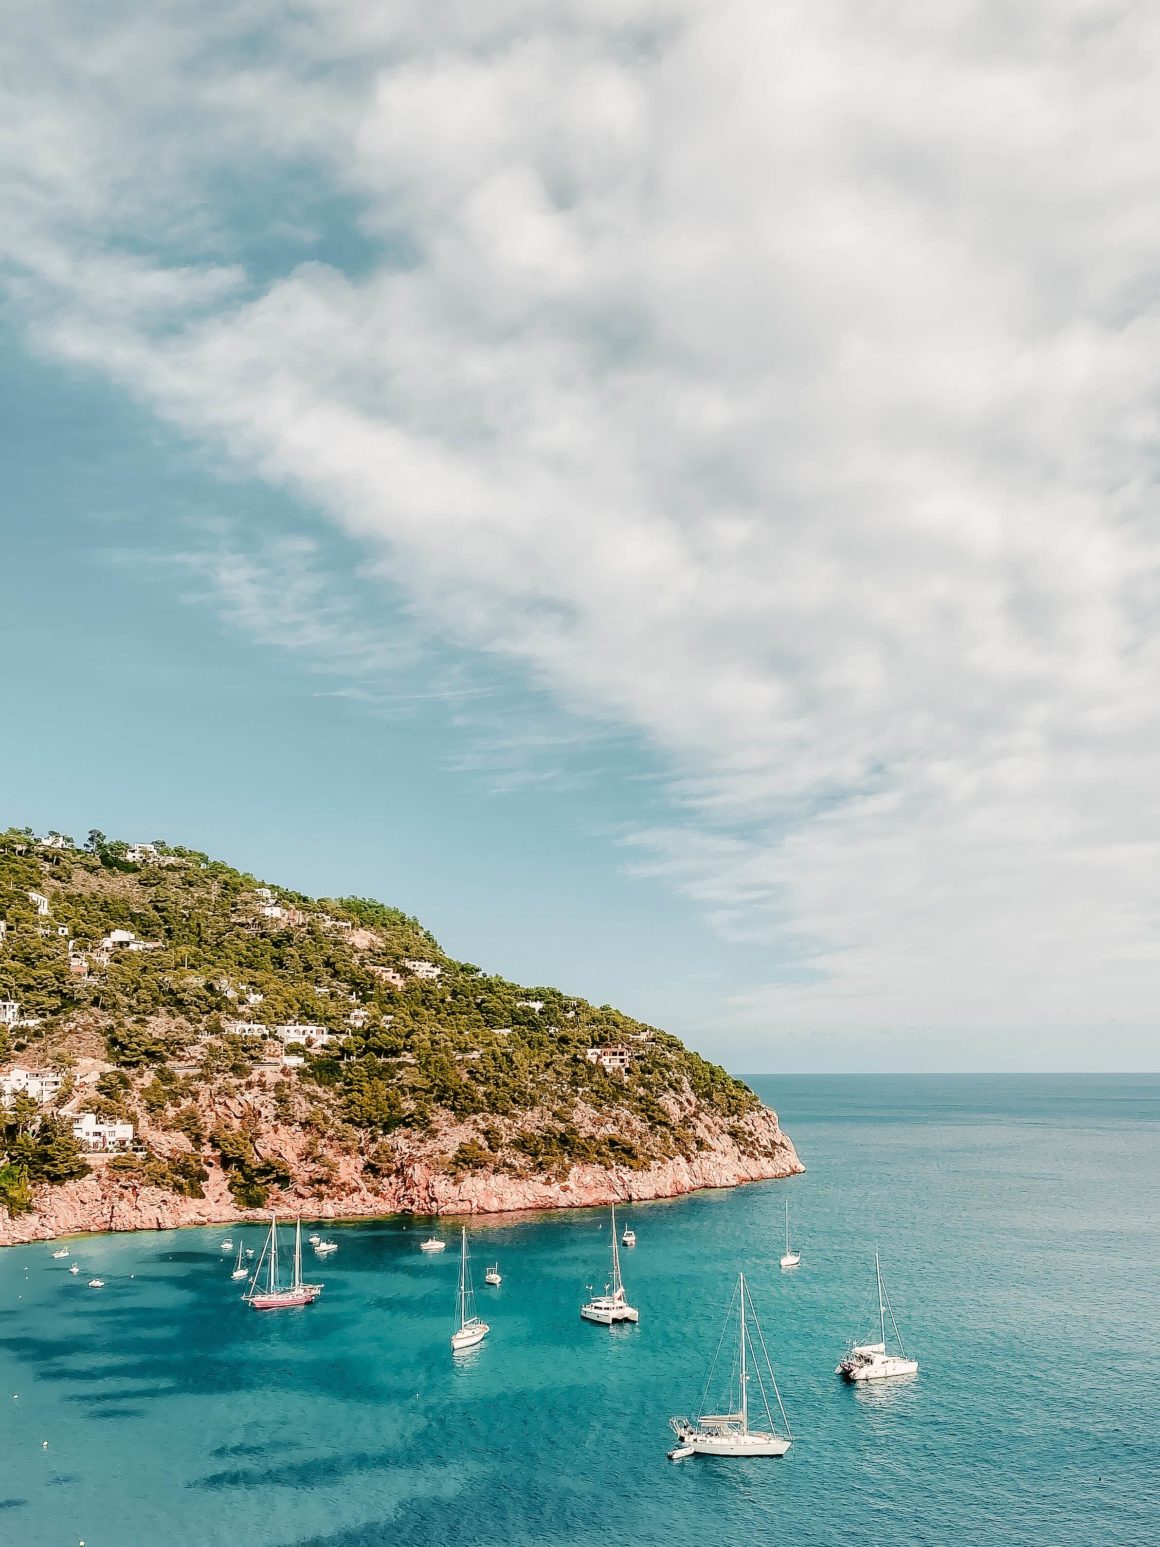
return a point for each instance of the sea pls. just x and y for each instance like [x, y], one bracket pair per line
[1018, 1222]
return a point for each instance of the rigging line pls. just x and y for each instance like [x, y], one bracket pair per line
[893, 1323]
[773, 1378]
[717, 1354]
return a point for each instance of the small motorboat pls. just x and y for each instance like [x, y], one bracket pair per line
[493, 1276]
[96, 1283]
[227, 1245]
[628, 1238]
[314, 1239]
[433, 1244]
[324, 1248]
[75, 1268]
[63, 1252]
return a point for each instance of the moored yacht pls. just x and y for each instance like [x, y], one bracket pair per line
[240, 1269]
[433, 1244]
[873, 1361]
[612, 1306]
[789, 1258]
[276, 1296]
[729, 1432]
[63, 1252]
[493, 1276]
[471, 1330]
[628, 1238]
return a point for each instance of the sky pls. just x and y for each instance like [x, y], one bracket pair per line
[664, 491]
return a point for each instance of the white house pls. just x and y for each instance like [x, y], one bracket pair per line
[264, 894]
[531, 1004]
[246, 1029]
[9, 1012]
[272, 910]
[142, 854]
[3, 929]
[309, 1036]
[617, 1056]
[357, 1018]
[40, 902]
[40, 1084]
[387, 975]
[99, 1136]
[54, 841]
[144, 945]
[292, 1060]
[429, 971]
[117, 939]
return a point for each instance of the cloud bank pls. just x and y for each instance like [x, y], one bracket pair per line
[775, 384]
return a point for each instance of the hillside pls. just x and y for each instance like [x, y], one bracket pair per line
[180, 1041]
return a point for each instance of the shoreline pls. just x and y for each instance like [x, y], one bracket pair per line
[104, 1203]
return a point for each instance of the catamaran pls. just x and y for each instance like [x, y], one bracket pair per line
[789, 1258]
[871, 1361]
[729, 1433]
[612, 1305]
[470, 1330]
[240, 1269]
[275, 1296]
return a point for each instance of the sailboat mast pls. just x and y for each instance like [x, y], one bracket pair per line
[787, 1226]
[741, 1360]
[273, 1252]
[298, 1251]
[881, 1302]
[463, 1276]
[617, 1286]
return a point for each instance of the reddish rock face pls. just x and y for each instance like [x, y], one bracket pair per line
[107, 1200]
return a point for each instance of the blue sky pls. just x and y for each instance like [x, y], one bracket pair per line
[664, 493]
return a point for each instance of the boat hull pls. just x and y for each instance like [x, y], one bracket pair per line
[737, 1444]
[285, 1299]
[791, 1259]
[606, 1315]
[858, 1371]
[469, 1337]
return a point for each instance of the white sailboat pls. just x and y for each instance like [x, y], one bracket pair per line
[629, 1237]
[275, 1296]
[240, 1269]
[729, 1433]
[493, 1276]
[872, 1361]
[470, 1330]
[612, 1305]
[789, 1258]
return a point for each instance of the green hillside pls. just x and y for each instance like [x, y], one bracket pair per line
[404, 1040]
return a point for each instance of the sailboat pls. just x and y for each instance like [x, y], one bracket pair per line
[470, 1330]
[240, 1269]
[871, 1361]
[611, 1305]
[789, 1258]
[493, 1276]
[275, 1297]
[729, 1433]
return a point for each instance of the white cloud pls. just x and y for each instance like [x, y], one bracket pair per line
[776, 383]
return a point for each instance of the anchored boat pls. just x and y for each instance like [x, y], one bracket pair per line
[275, 1296]
[471, 1330]
[873, 1361]
[728, 1433]
[612, 1305]
[789, 1258]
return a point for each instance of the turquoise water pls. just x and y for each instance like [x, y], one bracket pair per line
[1019, 1221]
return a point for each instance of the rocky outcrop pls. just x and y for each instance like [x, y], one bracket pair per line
[420, 1183]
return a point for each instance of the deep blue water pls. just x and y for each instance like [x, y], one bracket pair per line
[1019, 1223]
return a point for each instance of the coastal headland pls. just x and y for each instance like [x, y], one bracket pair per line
[182, 1044]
